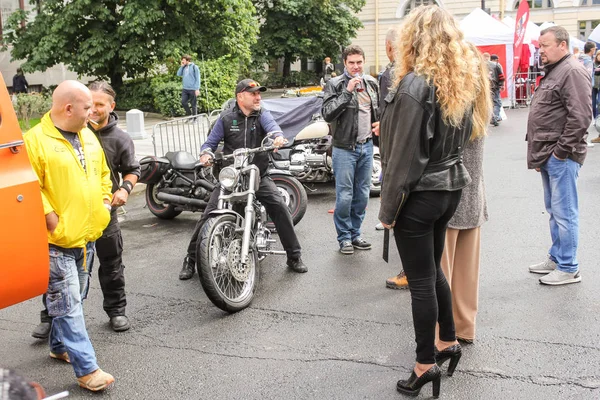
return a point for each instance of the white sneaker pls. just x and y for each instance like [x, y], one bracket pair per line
[545, 267]
[590, 144]
[379, 227]
[557, 277]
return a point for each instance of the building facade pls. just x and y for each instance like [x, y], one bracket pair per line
[578, 17]
[8, 67]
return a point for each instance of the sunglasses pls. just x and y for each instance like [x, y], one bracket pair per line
[251, 85]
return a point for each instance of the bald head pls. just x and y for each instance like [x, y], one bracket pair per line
[71, 103]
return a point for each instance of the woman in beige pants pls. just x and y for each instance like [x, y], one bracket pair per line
[460, 260]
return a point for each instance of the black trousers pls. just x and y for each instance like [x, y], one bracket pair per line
[420, 232]
[269, 196]
[111, 273]
[189, 96]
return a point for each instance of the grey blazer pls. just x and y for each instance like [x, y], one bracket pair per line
[472, 210]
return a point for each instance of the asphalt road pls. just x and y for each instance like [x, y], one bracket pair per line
[337, 332]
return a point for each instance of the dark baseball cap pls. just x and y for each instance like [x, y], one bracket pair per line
[249, 85]
[494, 57]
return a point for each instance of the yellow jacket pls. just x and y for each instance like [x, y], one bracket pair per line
[74, 194]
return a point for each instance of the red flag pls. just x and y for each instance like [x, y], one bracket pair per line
[520, 27]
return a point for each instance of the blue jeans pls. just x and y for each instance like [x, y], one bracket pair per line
[560, 195]
[352, 170]
[69, 282]
[497, 104]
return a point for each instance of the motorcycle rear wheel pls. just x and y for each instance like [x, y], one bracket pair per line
[294, 196]
[157, 207]
[227, 284]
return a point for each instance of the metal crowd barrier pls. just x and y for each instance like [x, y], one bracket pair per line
[525, 85]
[182, 134]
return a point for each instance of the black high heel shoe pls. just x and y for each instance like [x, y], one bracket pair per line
[452, 353]
[413, 385]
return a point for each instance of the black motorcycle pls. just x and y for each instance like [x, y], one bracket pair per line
[177, 182]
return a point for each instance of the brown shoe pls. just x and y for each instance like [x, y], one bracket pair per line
[63, 357]
[96, 381]
[397, 282]
[596, 140]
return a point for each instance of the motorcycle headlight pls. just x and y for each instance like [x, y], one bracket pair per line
[228, 177]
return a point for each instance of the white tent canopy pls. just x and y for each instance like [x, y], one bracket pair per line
[483, 30]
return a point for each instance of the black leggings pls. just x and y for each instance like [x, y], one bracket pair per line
[420, 232]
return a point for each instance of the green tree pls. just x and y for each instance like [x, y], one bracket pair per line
[114, 38]
[294, 29]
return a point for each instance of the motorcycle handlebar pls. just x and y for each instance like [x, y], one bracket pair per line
[250, 151]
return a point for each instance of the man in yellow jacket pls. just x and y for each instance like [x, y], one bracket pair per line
[76, 194]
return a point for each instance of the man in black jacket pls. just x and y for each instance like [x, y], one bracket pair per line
[120, 155]
[351, 105]
[245, 125]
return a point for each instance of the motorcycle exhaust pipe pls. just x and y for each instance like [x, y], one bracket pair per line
[174, 199]
[205, 184]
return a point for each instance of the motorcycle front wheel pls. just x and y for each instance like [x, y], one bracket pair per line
[294, 196]
[228, 284]
[157, 207]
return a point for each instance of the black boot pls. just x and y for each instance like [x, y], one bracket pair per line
[187, 270]
[297, 265]
[42, 331]
[413, 385]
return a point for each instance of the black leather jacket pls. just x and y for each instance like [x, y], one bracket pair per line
[419, 152]
[340, 109]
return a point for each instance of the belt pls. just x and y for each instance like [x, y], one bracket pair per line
[367, 140]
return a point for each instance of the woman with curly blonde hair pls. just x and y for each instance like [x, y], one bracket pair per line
[440, 102]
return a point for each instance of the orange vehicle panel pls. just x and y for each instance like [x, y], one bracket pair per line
[24, 261]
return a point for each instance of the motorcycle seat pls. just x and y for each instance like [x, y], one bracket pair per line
[181, 159]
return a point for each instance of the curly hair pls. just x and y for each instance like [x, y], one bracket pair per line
[431, 45]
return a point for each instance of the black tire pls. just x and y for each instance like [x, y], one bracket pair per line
[375, 190]
[294, 195]
[215, 243]
[157, 207]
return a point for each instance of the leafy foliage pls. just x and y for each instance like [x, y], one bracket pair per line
[314, 29]
[162, 92]
[31, 105]
[114, 38]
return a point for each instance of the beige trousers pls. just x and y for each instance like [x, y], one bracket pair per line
[460, 263]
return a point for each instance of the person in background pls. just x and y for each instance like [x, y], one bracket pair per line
[20, 84]
[191, 85]
[75, 188]
[424, 128]
[497, 79]
[350, 104]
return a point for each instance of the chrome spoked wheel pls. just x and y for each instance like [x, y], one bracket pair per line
[228, 283]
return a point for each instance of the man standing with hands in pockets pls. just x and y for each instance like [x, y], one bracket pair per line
[351, 106]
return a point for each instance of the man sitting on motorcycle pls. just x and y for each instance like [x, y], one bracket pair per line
[245, 125]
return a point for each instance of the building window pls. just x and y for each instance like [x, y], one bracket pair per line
[539, 4]
[590, 2]
[586, 28]
[412, 4]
